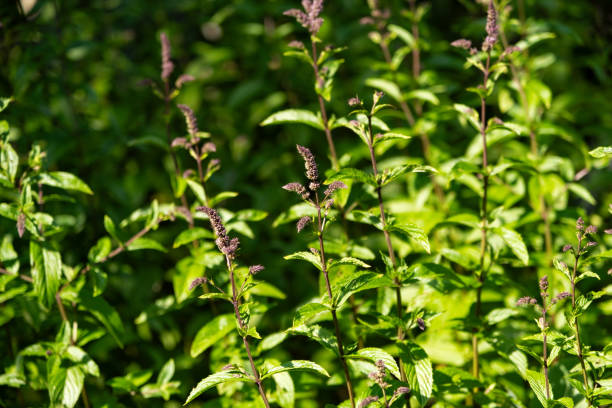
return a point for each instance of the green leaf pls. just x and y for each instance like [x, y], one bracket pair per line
[285, 389]
[359, 281]
[267, 289]
[395, 134]
[12, 380]
[538, 385]
[295, 365]
[110, 227]
[222, 196]
[388, 175]
[306, 256]
[388, 87]
[601, 152]
[411, 232]
[104, 312]
[190, 235]
[64, 384]
[9, 161]
[216, 295]
[402, 33]
[582, 192]
[212, 332]
[78, 356]
[562, 267]
[222, 377]
[499, 315]
[145, 243]
[514, 240]
[46, 271]
[423, 95]
[352, 174]
[99, 251]
[4, 102]
[166, 373]
[303, 116]
[374, 354]
[65, 181]
[347, 261]
[317, 333]
[419, 372]
[311, 313]
[469, 114]
[197, 189]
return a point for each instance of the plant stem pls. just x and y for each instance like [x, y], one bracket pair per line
[544, 351]
[383, 220]
[258, 381]
[347, 376]
[483, 220]
[575, 321]
[328, 135]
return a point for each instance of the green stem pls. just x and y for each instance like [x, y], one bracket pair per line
[383, 220]
[347, 376]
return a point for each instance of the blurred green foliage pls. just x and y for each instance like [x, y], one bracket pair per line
[74, 70]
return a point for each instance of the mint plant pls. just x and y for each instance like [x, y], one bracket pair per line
[135, 225]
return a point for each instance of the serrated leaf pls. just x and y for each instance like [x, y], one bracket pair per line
[306, 256]
[295, 365]
[212, 332]
[303, 116]
[311, 313]
[538, 385]
[317, 333]
[222, 377]
[352, 174]
[65, 181]
[46, 265]
[351, 283]
[374, 354]
[411, 232]
[601, 152]
[419, 372]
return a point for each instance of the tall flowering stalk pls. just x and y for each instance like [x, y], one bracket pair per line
[584, 244]
[311, 194]
[167, 92]
[228, 247]
[542, 322]
[370, 140]
[310, 19]
[487, 46]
